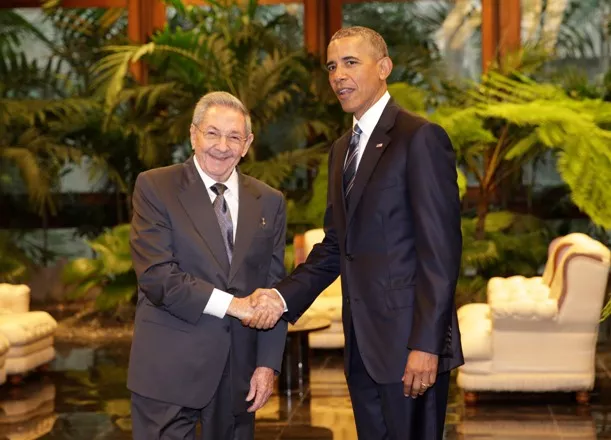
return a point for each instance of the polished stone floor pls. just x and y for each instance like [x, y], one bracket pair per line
[83, 397]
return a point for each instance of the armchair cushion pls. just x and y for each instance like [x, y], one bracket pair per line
[14, 298]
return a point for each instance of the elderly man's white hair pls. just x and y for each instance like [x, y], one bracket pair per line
[222, 99]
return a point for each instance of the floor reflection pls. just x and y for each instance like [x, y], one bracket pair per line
[84, 397]
[525, 422]
[27, 411]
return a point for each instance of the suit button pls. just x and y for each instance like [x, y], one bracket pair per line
[347, 300]
[349, 257]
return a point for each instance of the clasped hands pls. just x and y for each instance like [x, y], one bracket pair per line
[261, 310]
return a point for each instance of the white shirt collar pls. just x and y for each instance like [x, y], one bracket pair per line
[371, 117]
[232, 182]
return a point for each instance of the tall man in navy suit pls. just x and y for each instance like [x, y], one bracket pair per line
[392, 230]
[203, 237]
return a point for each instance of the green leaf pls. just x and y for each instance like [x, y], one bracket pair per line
[78, 270]
[119, 291]
[462, 183]
[409, 97]
[84, 288]
[499, 221]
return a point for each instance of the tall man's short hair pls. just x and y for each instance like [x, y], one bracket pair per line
[374, 39]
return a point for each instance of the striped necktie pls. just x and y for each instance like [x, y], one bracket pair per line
[350, 166]
[224, 217]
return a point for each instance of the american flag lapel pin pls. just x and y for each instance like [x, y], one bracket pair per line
[379, 145]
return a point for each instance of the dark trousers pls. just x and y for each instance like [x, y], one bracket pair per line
[155, 420]
[382, 412]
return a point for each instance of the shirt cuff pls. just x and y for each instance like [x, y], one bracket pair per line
[282, 298]
[218, 303]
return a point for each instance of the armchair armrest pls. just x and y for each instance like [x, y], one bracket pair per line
[525, 309]
[14, 298]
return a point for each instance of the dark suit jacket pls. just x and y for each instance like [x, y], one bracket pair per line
[397, 247]
[178, 354]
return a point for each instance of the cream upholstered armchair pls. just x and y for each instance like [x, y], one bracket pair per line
[329, 302]
[538, 334]
[29, 334]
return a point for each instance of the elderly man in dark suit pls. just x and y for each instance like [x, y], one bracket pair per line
[203, 237]
[392, 230]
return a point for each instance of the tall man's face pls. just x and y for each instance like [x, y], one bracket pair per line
[356, 73]
[220, 141]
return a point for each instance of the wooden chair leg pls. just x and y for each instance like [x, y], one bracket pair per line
[583, 397]
[44, 368]
[470, 398]
[16, 379]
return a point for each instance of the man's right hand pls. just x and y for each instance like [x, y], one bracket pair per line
[240, 308]
[268, 308]
[261, 310]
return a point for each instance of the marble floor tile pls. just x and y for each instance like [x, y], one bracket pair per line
[84, 397]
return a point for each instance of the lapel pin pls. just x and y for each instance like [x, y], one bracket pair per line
[262, 222]
[379, 145]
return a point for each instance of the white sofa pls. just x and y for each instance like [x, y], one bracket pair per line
[30, 334]
[329, 302]
[531, 336]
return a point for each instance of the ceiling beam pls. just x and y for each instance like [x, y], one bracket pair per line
[7, 4]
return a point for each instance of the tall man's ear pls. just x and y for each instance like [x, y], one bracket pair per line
[384, 68]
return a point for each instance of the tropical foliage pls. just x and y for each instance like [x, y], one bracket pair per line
[507, 121]
[512, 244]
[111, 271]
[218, 48]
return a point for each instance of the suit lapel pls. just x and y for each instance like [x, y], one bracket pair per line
[249, 220]
[196, 202]
[378, 141]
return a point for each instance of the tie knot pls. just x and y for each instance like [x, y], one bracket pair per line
[357, 130]
[218, 189]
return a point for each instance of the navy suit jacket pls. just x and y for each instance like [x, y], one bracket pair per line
[178, 354]
[397, 246]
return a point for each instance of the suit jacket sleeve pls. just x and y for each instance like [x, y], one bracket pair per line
[320, 269]
[433, 194]
[270, 343]
[159, 275]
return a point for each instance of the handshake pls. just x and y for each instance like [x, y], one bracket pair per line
[261, 310]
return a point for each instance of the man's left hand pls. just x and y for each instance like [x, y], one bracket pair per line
[420, 373]
[261, 387]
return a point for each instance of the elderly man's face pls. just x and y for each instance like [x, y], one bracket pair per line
[220, 141]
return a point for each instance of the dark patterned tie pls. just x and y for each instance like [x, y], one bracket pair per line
[350, 166]
[224, 217]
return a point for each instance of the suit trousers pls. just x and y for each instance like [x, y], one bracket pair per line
[382, 412]
[156, 420]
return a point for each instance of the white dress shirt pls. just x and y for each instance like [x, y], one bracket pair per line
[219, 300]
[367, 123]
